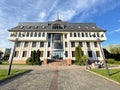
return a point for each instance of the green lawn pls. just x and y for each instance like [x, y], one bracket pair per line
[114, 73]
[3, 73]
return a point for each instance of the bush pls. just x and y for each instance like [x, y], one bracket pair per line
[84, 58]
[29, 61]
[0, 62]
[111, 61]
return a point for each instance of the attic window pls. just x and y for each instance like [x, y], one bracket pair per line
[21, 27]
[57, 26]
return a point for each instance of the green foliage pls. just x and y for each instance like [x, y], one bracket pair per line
[34, 59]
[114, 73]
[0, 62]
[84, 58]
[115, 50]
[78, 55]
[112, 61]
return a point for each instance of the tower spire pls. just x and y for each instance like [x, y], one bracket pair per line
[57, 15]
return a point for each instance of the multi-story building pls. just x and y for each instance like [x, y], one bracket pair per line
[56, 40]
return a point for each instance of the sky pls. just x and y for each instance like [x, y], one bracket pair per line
[105, 13]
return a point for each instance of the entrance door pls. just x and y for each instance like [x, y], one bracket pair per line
[57, 54]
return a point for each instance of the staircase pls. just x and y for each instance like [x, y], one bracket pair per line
[58, 63]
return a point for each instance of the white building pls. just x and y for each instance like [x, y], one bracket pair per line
[56, 39]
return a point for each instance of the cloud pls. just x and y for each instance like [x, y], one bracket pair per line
[14, 11]
[115, 31]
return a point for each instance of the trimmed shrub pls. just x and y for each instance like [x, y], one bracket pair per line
[84, 58]
[111, 61]
[29, 61]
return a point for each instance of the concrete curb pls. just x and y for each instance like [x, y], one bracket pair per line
[104, 77]
[6, 80]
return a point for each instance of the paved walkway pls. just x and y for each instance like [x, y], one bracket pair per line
[58, 78]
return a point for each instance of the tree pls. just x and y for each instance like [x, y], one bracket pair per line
[78, 54]
[38, 57]
[84, 58]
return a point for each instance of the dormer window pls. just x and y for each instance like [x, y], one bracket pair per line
[57, 26]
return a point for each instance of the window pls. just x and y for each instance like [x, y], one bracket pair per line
[34, 44]
[43, 34]
[57, 37]
[41, 53]
[18, 44]
[65, 35]
[48, 54]
[66, 53]
[72, 44]
[70, 34]
[82, 34]
[58, 45]
[95, 44]
[86, 34]
[65, 44]
[48, 44]
[16, 53]
[98, 35]
[41, 44]
[24, 54]
[98, 53]
[90, 53]
[74, 34]
[35, 34]
[49, 35]
[19, 34]
[39, 34]
[78, 34]
[57, 26]
[88, 44]
[81, 44]
[31, 35]
[26, 44]
[73, 53]
[27, 35]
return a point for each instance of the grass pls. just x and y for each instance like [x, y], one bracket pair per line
[114, 73]
[6, 63]
[3, 73]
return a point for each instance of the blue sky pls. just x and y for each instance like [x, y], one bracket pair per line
[105, 13]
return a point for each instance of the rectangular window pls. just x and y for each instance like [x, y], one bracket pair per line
[98, 35]
[26, 44]
[49, 35]
[43, 34]
[90, 54]
[19, 34]
[66, 53]
[74, 34]
[35, 34]
[78, 34]
[41, 44]
[48, 44]
[70, 34]
[81, 44]
[98, 53]
[18, 44]
[88, 44]
[86, 34]
[65, 35]
[82, 34]
[24, 54]
[65, 44]
[95, 44]
[41, 53]
[16, 53]
[27, 35]
[73, 53]
[48, 54]
[72, 44]
[39, 34]
[31, 35]
[33, 44]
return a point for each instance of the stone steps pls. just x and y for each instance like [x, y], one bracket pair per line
[58, 63]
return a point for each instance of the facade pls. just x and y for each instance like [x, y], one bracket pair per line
[56, 40]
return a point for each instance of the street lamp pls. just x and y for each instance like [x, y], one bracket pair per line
[13, 53]
[107, 70]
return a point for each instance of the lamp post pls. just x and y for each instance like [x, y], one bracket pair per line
[13, 53]
[107, 70]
